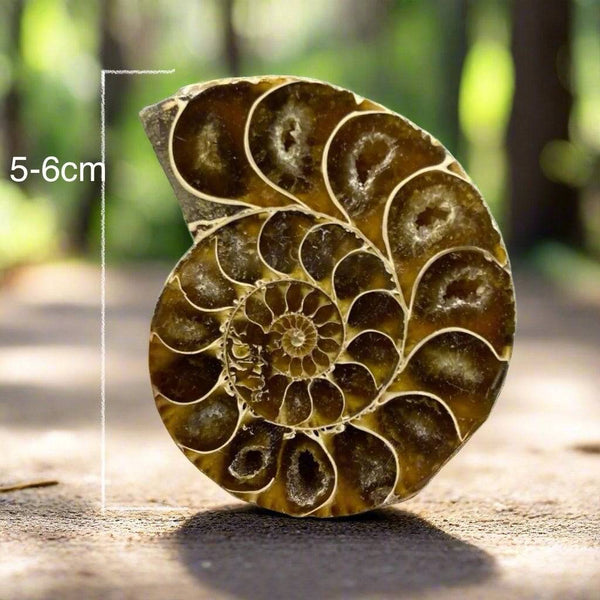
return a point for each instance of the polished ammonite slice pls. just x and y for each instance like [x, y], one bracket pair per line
[344, 319]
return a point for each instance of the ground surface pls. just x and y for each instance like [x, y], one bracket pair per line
[514, 515]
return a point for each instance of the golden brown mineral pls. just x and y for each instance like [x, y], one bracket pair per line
[344, 319]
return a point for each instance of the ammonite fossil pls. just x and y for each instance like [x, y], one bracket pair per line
[344, 319]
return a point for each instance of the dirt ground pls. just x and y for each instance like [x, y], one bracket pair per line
[514, 515]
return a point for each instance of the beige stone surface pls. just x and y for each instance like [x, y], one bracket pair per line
[514, 515]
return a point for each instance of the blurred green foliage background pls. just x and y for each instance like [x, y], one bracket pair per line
[464, 70]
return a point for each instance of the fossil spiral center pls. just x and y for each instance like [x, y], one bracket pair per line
[282, 333]
[297, 338]
[298, 334]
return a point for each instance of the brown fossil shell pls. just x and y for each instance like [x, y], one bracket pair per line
[344, 319]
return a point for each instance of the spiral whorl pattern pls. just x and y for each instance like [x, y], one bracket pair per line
[344, 319]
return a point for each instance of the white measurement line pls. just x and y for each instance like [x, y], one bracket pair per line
[103, 75]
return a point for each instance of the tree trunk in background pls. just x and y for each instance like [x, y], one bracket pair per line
[112, 55]
[14, 141]
[453, 17]
[231, 47]
[540, 209]
[365, 21]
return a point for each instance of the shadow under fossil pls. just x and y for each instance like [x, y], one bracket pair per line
[251, 553]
